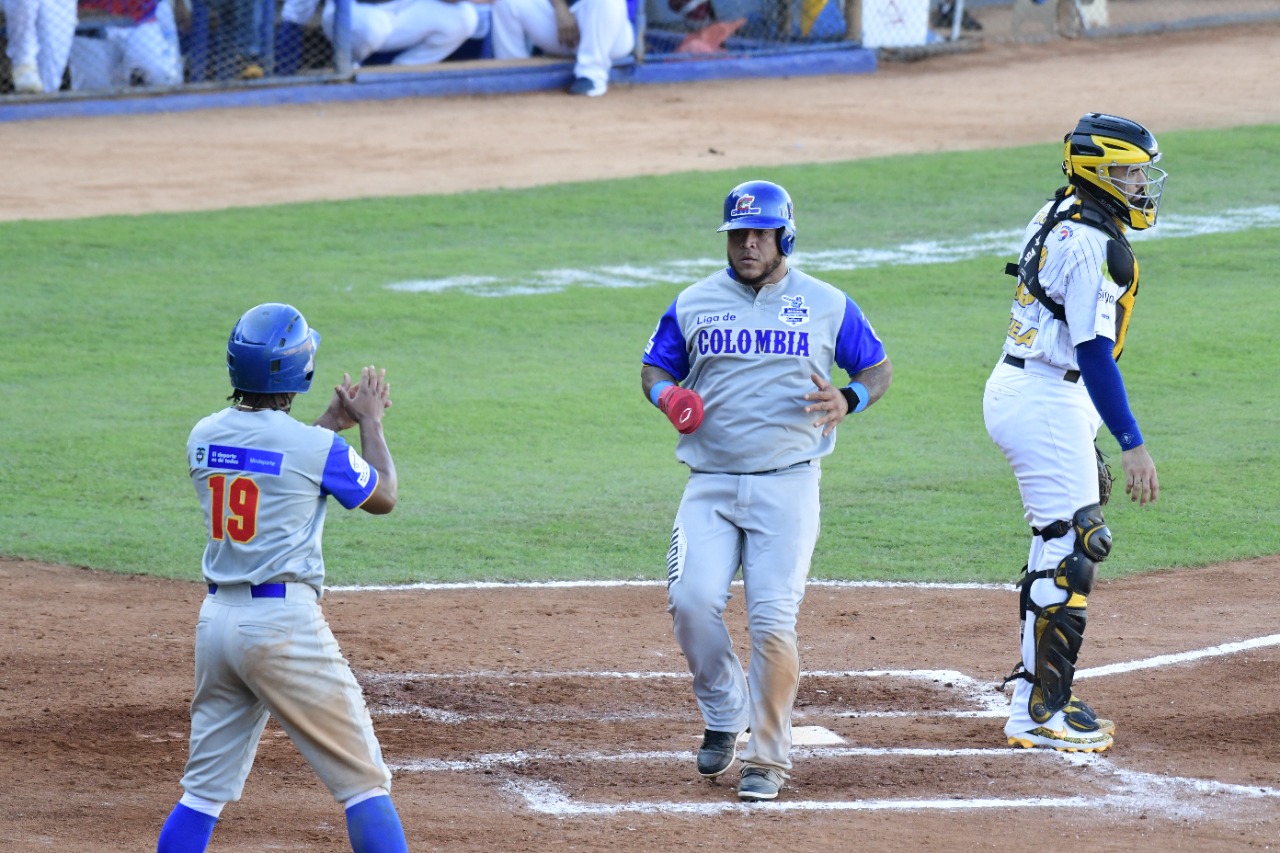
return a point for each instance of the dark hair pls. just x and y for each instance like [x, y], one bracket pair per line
[280, 402]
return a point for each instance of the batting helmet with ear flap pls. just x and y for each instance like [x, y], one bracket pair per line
[1103, 143]
[761, 204]
[272, 350]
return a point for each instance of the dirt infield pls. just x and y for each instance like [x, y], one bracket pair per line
[528, 719]
[531, 719]
[998, 96]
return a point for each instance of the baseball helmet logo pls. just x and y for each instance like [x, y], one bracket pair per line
[763, 205]
[745, 207]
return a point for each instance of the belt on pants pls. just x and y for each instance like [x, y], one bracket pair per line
[803, 464]
[259, 590]
[1021, 363]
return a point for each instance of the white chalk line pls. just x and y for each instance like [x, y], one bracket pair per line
[611, 584]
[545, 798]
[1182, 657]
[1136, 791]
[1172, 226]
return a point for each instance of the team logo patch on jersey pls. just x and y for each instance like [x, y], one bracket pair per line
[744, 206]
[359, 466]
[1063, 232]
[796, 313]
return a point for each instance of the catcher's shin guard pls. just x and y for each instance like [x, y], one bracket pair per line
[1059, 628]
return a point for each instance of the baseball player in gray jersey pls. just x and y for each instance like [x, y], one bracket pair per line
[740, 364]
[263, 647]
[1055, 383]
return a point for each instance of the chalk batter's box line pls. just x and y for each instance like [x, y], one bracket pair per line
[1178, 796]
[1181, 797]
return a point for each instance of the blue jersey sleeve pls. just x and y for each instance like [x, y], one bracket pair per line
[857, 345]
[347, 477]
[667, 348]
[1106, 388]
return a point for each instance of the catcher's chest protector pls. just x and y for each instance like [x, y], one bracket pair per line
[1121, 265]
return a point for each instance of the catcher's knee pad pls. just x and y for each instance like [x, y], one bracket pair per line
[1093, 537]
[1077, 572]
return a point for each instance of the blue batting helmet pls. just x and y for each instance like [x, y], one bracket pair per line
[761, 204]
[272, 350]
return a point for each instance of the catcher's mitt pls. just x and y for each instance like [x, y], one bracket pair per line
[1104, 477]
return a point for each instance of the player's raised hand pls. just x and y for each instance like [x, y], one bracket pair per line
[828, 400]
[335, 415]
[370, 396]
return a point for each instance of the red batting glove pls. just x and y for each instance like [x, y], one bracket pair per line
[682, 407]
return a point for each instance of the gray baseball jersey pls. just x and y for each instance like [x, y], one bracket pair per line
[263, 479]
[750, 356]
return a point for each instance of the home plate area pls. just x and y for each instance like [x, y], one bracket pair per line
[584, 743]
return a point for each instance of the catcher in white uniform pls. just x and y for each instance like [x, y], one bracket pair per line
[1056, 382]
[752, 347]
[263, 647]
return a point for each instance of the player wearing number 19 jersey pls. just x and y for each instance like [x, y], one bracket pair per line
[263, 479]
[263, 647]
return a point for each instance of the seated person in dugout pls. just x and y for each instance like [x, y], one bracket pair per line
[595, 32]
[137, 42]
[418, 32]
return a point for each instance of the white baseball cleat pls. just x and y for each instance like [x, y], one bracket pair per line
[1063, 740]
[26, 80]
[585, 86]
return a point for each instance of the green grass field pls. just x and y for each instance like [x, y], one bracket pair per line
[524, 445]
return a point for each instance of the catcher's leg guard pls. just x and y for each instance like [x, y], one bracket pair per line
[1059, 628]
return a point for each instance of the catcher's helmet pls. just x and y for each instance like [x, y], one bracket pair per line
[272, 350]
[1103, 142]
[761, 204]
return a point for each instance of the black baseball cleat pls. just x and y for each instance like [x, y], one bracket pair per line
[760, 783]
[945, 17]
[716, 754]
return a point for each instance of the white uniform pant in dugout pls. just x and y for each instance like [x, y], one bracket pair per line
[767, 524]
[419, 32]
[39, 34]
[605, 33]
[108, 58]
[1046, 428]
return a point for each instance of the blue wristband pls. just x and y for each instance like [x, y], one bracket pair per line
[860, 391]
[656, 391]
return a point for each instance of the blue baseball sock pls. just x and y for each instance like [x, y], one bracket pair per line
[186, 831]
[374, 827]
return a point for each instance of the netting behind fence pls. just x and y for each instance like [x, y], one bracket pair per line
[1037, 19]
[56, 47]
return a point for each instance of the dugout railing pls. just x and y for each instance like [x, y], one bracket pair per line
[225, 44]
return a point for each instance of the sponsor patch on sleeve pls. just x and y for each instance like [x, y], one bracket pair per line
[359, 466]
[241, 459]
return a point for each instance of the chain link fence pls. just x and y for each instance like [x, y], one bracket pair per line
[58, 48]
[1030, 20]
